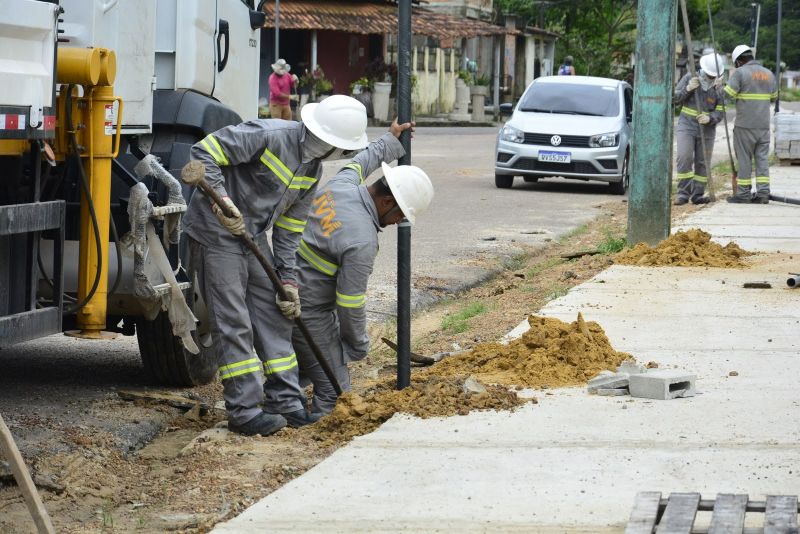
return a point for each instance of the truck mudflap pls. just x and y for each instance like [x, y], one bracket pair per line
[155, 285]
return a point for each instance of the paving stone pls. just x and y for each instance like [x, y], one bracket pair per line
[607, 380]
[662, 384]
[612, 392]
[632, 368]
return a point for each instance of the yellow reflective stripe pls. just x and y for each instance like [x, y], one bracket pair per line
[219, 156]
[719, 108]
[302, 182]
[356, 167]
[293, 225]
[219, 148]
[239, 368]
[350, 301]
[743, 181]
[754, 96]
[277, 365]
[701, 179]
[320, 264]
[684, 175]
[277, 167]
[728, 89]
[762, 179]
[689, 111]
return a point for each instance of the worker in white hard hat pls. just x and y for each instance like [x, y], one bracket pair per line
[281, 84]
[337, 253]
[267, 171]
[753, 87]
[694, 122]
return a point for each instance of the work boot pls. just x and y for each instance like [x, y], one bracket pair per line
[264, 424]
[738, 200]
[300, 418]
[680, 201]
[761, 199]
[701, 200]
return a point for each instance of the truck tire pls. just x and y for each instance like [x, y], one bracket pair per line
[166, 360]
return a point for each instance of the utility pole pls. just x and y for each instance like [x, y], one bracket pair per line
[778, 58]
[277, 29]
[755, 20]
[404, 228]
[651, 161]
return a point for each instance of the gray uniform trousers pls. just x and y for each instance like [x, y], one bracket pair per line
[691, 166]
[249, 329]
[749, 144]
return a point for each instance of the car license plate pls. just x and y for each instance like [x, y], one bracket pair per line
[555, 157]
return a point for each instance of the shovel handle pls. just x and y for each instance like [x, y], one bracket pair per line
[194, 174]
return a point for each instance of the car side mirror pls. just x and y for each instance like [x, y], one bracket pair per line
[506, 109]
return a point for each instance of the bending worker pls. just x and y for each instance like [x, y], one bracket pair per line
[266, 170]
[753, 87]
[692, 123]
[338, 250]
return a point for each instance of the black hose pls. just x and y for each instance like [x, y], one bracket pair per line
[118, 248]
[785, 200]
[87, 193]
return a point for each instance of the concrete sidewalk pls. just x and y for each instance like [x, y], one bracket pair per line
[574, 462]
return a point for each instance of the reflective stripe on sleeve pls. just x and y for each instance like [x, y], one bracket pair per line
[302, 182]
[350, 301]
[320, 264]
[277, 167]
[731, 92]
[689, 111]
[685, 175]
[252, 365]
[212, 146]
[720, 107]
[277, 365]
[762, 179]
[356, 167]
[754, 96]
[292, 225]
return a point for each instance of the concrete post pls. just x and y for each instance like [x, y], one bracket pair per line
[651, 157]
[313, 50]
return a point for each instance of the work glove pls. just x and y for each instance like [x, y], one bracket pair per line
[693, 84]
[718, 82]
[703, 119]
[289, 308]
[235, 224]
[294, 97]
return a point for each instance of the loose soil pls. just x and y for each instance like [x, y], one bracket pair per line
[692, 248]
[194, 475]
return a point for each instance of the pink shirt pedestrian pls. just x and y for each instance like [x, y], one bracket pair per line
[279, 86]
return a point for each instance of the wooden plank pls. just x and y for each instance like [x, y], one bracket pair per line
[781, 514]
[680, 513]
[728, 517]
[644, 513]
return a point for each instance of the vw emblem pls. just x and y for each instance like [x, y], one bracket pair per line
[555, 140]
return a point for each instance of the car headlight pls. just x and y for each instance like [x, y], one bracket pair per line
[603, 140]
[514, 135]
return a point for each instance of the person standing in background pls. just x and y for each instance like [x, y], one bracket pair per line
[567, 69]
[280, 90]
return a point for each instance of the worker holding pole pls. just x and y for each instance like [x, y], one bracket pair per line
[337, 253]
[266, 172]
[694, 122]
[753, 87]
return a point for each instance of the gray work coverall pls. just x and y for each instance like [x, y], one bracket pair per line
[334, 262]
[691, 166]
[753, 87]
[258, 164]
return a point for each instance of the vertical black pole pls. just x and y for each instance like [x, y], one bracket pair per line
[277, 29]
[404, 228]
[778, 58]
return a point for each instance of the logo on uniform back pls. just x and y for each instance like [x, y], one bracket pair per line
[326, 210]
[555, 140]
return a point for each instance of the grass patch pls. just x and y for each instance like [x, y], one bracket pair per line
[456, 323]
[575, 232]
[543, 266]
[612, 244]
[557, 293]
[790, 95]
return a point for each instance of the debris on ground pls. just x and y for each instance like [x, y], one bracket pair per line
[692, 248]
[757, 285]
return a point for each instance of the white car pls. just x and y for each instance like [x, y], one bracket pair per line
[570, 126]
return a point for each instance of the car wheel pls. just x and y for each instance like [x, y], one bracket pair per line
[531, 179]
[501, 181]
[621, 187]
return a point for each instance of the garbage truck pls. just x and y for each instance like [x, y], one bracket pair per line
[100, 102]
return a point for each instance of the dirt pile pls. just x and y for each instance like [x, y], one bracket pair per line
[551, 353]
[692, 248]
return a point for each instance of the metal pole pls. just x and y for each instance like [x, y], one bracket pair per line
[651, 161]
[758, 23]
[313, 50]
[496, 92]
[404, 228]
[778, 58]
[753, 25]
[277, 29]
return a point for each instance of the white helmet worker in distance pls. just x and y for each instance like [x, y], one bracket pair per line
[409, 194]
[338, 122]
[712, 65]
[739, 51]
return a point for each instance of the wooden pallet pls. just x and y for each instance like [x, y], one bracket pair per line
[676, 515]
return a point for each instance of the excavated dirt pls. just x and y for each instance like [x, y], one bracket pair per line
[551, 353]
[692, 248]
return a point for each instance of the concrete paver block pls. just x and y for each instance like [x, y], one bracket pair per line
[612, 392]
[662, 384]
[607, 380]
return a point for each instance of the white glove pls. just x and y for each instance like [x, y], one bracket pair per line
[693, 84]
[703, 119]
[718, 82]
[235, 224]
[289, 308]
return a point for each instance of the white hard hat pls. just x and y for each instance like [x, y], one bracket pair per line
[712, 64]
[339, 120]
[739, 50]
[411, 188]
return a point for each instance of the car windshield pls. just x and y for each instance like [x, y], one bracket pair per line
[572, 99]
